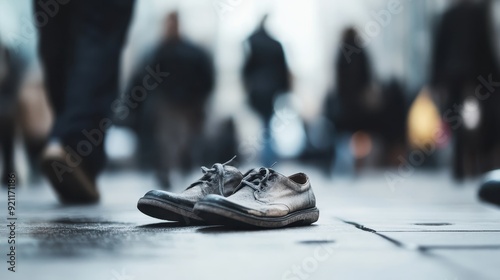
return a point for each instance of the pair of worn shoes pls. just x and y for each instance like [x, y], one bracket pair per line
[224, 196]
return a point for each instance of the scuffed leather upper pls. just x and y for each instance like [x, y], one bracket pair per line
[231, 179]
[274, 196]
[209, 184]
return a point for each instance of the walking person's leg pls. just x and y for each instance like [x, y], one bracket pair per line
[54, 48]
[7, 132]
[93, 42]
[166, 140]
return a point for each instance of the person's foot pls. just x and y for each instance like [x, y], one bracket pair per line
[265, 198]
[489, 190]
[221, 179]
[73, 185]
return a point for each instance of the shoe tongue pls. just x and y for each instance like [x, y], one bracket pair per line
[265, 172]
[255, 176]
[231, 180]
[215, 179]
[221, 182]
[250, 172]
[208, 178]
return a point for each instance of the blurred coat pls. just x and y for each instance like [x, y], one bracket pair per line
[462, 46]
[356, 104]
[191, 78]
[9, 85]
[9, 103]
[353, 74]
[170, 121]
[463, 60]
[265, 72]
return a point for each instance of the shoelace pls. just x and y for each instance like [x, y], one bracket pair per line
[217, 169]
[255, 180]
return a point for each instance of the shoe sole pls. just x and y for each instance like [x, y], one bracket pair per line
[167, 210]
[216, 214]
[75, 188]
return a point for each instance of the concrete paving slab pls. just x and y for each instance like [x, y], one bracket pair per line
[112, 240]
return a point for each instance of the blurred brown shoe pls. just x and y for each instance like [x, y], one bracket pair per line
[72, 184]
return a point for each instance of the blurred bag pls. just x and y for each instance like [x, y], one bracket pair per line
[425, 126]
[35, 114]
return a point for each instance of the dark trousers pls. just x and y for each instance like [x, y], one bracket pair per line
[80, 47]
[7, 131]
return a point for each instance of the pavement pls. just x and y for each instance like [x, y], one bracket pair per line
[417, 226]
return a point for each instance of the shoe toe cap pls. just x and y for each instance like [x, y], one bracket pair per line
[169, 197]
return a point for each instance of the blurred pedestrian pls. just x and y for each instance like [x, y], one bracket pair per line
[80, 47]
[9, 99]
[174, 115]
[35, 119]
[464, 59]
[354, 79]
[265, 76]
[355, 105]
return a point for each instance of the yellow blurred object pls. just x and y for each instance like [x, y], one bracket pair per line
[423, 120]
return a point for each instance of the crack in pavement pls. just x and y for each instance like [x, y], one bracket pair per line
[421, 248]
[427, 250]
[358, 226]
[395, 242]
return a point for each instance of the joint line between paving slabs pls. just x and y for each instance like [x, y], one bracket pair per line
[395, 242]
